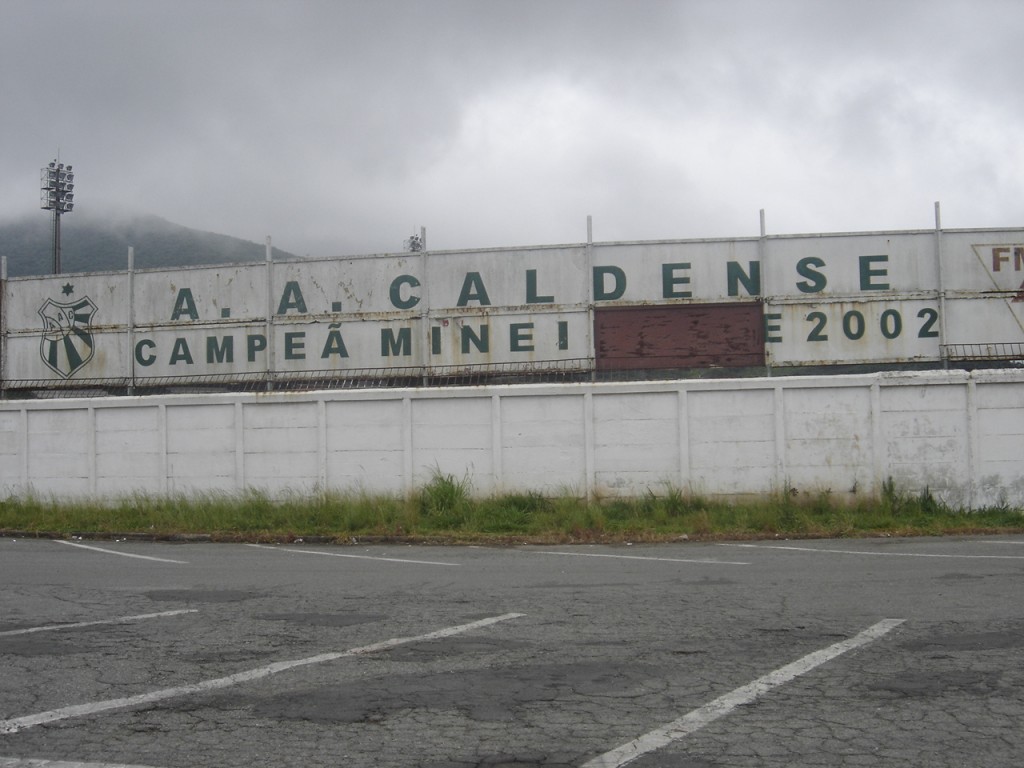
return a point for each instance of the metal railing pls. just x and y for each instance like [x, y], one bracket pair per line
[1013, 350]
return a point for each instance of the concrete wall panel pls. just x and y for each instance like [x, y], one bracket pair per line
[636, 442]
[543, 443]
[453, 437]
[364, 445]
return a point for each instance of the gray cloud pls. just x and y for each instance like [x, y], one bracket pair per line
[341, 127]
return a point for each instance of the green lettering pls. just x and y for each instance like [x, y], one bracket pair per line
[521, 337]
[867, 273]
[147, 359]
[225, 353]
[751, 280]
[291, 298]
[772, 329]
[181, 352]
[256, 342]
[816, 281]
[185, 305]
[481, 342]
[435, 340]
[396, 292]
[473, 290]
[335, 345]
[669, 281]
[399, 344]
[601, 293]
[294, 345]
[563, 334]
[531, 290]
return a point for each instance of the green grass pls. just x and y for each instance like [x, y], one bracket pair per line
[445, 510]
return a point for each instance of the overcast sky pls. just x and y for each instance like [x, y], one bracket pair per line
[342, 127]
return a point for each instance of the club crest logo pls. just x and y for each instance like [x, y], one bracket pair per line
[67, 342]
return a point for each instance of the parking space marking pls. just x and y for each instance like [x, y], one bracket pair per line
[705, 561]
[122, 554]
[818, 550]
[723, 705]
[81, 710]
[355, 557]
[15, 762]
[79, 624]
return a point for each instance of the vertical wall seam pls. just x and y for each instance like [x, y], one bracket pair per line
[162, 437]
[91, 419]
[941, 287]
[407, 446]
[3, 325]
[497, 460]
[428, 354]
[239, 446]
[588, 256]
[131, 322]
[589, 471]
[321, 413]
[781, 467]
[973, 444]
[26, 483]
[878, 450]
[683, 436]
[271, 345]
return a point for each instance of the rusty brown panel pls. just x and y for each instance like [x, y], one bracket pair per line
[689, 336]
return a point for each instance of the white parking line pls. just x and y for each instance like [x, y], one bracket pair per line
[723, 705]
[78, 624]
[355, 557]
[122, 554]
[80, 710]
[821, 551]
[15, 762]
[706, 561]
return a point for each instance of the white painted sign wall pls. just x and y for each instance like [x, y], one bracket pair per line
[885, 297]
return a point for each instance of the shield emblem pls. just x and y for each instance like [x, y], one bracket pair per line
[67, 343]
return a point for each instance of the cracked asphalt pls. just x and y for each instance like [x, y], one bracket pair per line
[198, 654]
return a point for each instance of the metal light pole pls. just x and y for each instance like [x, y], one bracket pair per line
[57, 195]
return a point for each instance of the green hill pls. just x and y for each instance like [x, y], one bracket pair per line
[98, 245]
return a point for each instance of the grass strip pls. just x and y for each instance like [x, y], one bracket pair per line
[444, 510]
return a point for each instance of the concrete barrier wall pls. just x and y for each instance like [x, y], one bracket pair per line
[959, 434]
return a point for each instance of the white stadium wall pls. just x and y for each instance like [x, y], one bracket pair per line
[956, 433]
[799, 302]
[584, 314]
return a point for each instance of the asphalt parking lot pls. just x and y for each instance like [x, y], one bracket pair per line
[905, 652]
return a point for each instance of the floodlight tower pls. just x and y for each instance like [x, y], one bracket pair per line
[58, 195]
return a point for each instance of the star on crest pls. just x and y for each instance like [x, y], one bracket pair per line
[67, 289]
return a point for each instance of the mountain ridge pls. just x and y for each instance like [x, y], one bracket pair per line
[94, 244]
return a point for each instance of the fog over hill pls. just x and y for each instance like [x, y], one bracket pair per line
[90, 243]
